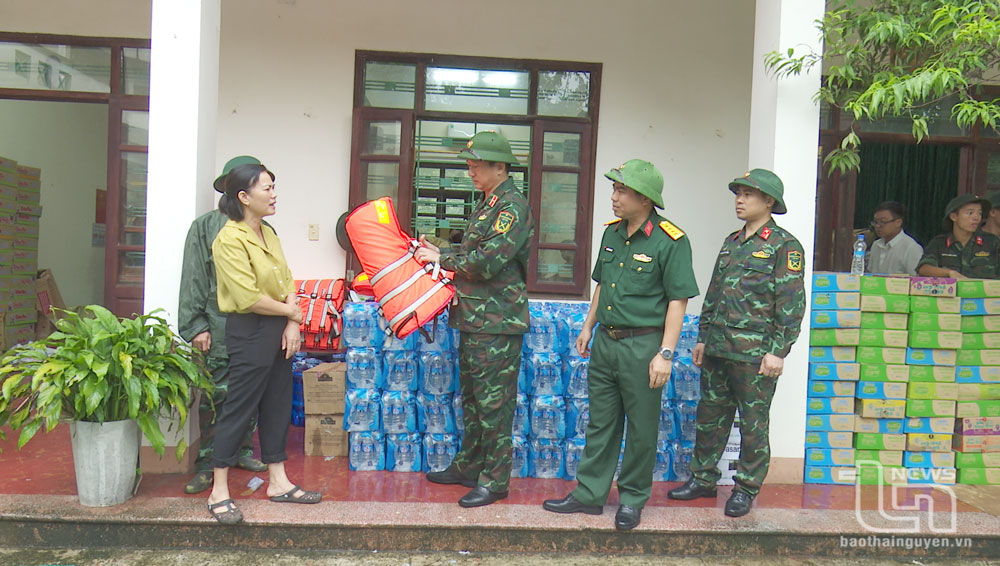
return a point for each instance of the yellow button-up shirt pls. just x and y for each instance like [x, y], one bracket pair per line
[247, 269]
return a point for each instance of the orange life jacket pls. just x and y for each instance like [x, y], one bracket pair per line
[409, 294]
[322, 302]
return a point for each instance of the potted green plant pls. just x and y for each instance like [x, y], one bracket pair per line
[111, 378]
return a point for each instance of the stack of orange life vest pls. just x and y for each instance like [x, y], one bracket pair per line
[322, 302]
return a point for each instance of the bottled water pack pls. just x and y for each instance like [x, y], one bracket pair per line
[437, 372]
[575, 375]
[573, 449]
[434, 414]
[546, 459]
[577, 417]
[363, 326]
[400, 370]
[439, 450]
[522, 417]
[367, 451]
[399, 412]
[687, 419]
[548, 417]
[519, 457]
[364, 368]
[362, 410]
[403, 452]
[545, 373]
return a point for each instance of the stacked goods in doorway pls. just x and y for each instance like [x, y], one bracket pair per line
[20, 210]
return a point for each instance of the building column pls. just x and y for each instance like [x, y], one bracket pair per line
[183, 103]
[784, 137]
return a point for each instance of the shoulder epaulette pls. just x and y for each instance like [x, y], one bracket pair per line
[673, 231]
[610, 222]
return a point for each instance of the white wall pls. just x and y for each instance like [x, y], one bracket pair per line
[101, 18]
[675, 91]
[68, 141]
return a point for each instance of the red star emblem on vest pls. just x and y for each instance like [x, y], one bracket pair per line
[766, 232]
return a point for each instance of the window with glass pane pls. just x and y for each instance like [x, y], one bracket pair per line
[132, 217]
[55, 67]
[557, 218]
[380, 180]
[135, 70]
[564, 93]
[556, 266]
[475, 90]
[561, 150]
[389, 85]
[135, 127]
[382, 138]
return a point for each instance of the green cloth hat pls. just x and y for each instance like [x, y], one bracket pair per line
[640, 176]
[488, 146]
[220, 181]
[960, 201]
[767, 183]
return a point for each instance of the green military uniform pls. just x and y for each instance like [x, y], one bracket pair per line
[754, 306]
[492, 314]
[639, 274]
[979, 258]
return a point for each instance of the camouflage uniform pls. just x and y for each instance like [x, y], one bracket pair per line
[979, 258]
[199, 312]
[492, 314]
[754, 306]
[639, 274]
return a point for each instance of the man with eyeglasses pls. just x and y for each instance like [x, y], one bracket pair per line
[894, 251]
[964, 250]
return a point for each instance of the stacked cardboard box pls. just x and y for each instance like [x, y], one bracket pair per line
[833, 373]
[323, 388]
[977, 429]
[19, 212]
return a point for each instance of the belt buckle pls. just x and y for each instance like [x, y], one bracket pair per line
[614, 333]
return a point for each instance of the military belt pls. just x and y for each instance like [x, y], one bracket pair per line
[622, 333]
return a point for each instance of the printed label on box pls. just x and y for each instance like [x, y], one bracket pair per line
[828, 281]
[874, 355]
[884, 320]
[832, 353]
[881, 408]
[989, 323]
[885, 303]
[832, 388]
[933, 286]
[883, 426]
[830, 405]
[921, 442]
[935, 304]
[884, 457]
[835, 319]
[836, 301]
[977, 374]
[929, 357]
[965, 409]
[943, 374]
[935, 322]
[921, 390]
[834, 371]
[884, 372]
[880, 390]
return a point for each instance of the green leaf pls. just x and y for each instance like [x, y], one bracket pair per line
[28, 432]
[150, 427]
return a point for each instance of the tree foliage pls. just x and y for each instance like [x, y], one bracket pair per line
[897, 58]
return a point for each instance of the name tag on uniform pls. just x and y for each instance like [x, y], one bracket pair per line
[761, 254]
[642, 257]
[982, 254]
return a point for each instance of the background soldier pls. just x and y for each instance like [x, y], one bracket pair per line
[644, 280]
[200, 322]
[749, 321]
[964, 250]
[491, 312]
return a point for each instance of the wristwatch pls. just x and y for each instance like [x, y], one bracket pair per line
[666, 353]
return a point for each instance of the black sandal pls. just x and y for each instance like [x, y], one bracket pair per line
[230, 516]
[290, 497]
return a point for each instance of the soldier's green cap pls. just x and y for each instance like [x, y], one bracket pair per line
[220, 181]
[640, 176]
[994, 198]
[766, 182]
[488, 146]
[962, 200]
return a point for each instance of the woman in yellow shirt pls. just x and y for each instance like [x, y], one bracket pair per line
[256, 290]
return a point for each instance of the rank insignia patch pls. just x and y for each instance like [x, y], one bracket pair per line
[642, 257]
[504, 221]
[766, 233]
[493, 200]
[795, 261]
[982, 254]
[610, 222]
[673, 231]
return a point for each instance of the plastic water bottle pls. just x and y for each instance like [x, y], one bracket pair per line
[367, 451]
[435, 413]
[363, 366]
[664, 459]
[456, 408]
[542, 330]
[439, 450]
[545, 376]
[362, 410]
[437, 373]
[668, 422]
[573, 450]
[547, 457]
[400, 370]
[682, 452]
[519, 457]
[576, 376]
[398, 412]
[522, 420]
[858, 259]
[402, 452]
[548, 417]
[577, 417]
[687, 420]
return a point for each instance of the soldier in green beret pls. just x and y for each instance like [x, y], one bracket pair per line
[491, 312]
[644, 280]
[749, 321]
[964, 250]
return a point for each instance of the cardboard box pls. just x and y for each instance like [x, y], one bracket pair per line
[831, 423]
[977, 459]
[977, 391]
[978, 288]
[884, 320]
[880, 390]
[941, 305]
[930, 408]
[835, 319]
[834, 336]
[325, 435]
[830, 406]
[923, 442]
[323, 388]
[977, 425]
[965, 409]
[829, 475]
[921, 390]
[935, 339]
[832, 353]
[977, 374]
[933, 286]
[935, 322]
[826, 281]
[913, 459]
[976, 442]
[884, 372]
[880, 408]
[990, 323]
[875, 355]
[174, 435]
[930, 425]
[834, 371]
[931, 476]
[981, 341]
[885, 303]
[47, 293]
[875, 285]
[884, 457]
[886, 338]
[880, 426]
[931, 357]
[942, 374]
[980, 306]
[815, 439]
[831, 388]
[978, 358]
[884, 475]
[875, 441]
[836, 301]
[979, 476]
[830, 457]
[8, 165]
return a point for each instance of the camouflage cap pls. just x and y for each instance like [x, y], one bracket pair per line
[488, 146]
[220, 181]
[766, 182]
[642, 177]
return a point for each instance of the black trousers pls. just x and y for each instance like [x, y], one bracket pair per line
[260, 383]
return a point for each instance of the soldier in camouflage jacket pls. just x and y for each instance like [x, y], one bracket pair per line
[749, 320]
[491, 311]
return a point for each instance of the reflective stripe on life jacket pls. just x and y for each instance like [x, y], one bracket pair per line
[410, 294]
